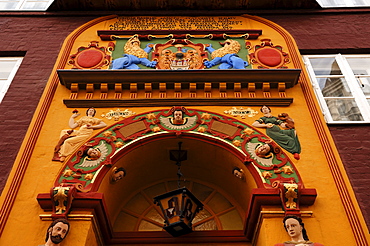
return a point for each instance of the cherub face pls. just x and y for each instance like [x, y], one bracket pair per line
[263, 149]
[93, 153]
[177, 115]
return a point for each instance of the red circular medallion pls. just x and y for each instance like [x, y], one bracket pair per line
[269, 57]
[89, 58]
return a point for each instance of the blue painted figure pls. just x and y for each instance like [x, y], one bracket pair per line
[134, 55]
[226, 56]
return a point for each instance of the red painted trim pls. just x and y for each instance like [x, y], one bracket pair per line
[263, 197]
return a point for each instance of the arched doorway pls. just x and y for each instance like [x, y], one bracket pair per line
[141, 145]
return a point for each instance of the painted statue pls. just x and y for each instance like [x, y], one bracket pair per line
[71, 139]
[239, 173]
[134, 55]
[178, 121]
[263, 152]
[226, 56]
[298, 235]
[94, 155]
[117, 174]
[287, 138]
[289, 122]
[56, 232]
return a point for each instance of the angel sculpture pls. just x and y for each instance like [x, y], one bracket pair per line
[178, 121]
[262, 152]
[94, 155]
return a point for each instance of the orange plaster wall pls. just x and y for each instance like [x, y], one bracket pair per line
[328, 225]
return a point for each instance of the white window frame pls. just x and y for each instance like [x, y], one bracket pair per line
[342, 3]
[22, 3]
[353, 83]
[9, 79]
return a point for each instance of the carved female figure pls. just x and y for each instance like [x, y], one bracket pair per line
[298, 235]
[74, 138]
[286, 138]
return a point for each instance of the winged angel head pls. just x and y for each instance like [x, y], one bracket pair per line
[94, 155]
[262, 152]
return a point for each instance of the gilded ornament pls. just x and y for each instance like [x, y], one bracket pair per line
[67, 173]
[248, 131]
[116, 115]
[241, 112]
[60, 196]
[266, 175]
[206, 116]
[291, 194]
[156, 129]
[237, 143]
[151, 116]
[107, 134]
[287, 170]
[201, 129]
[118, 145]
[89, 176]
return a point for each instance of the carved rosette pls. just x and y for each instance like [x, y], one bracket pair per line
[92, 56]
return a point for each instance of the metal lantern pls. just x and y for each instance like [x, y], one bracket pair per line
[179, 208]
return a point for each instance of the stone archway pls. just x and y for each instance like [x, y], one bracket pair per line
[81, 181]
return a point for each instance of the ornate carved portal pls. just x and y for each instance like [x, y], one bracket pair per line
[277, 179]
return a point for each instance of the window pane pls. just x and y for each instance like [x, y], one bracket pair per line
[8, 5]
[6, 68]
[344, 110]
[34, 5]
[147, 226]
[343, 3]
[359, 66]
[334, 87]
[207, 226]
[25, 4]
[325, 66]
[231, 221]
[3, 84]
[364, 83]
[202, 215]
[154, 215]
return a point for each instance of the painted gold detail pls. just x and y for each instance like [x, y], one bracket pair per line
[290, 195]
[60, 197]
[117, 114]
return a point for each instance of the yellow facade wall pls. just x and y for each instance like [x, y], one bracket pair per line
[320, 166]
